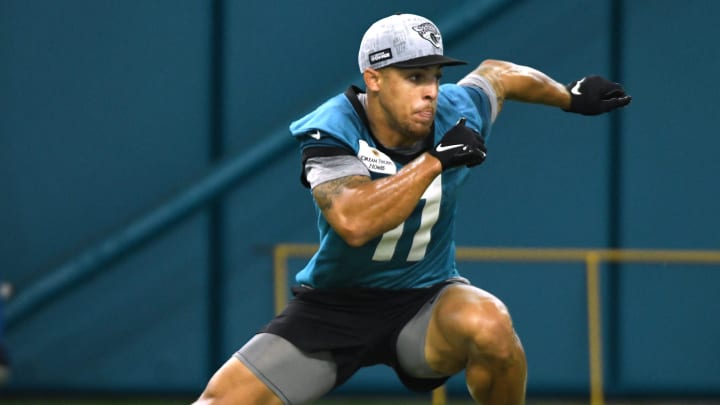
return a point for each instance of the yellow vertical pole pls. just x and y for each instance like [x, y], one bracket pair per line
[280, 277]
[439, 397]
[594, 328]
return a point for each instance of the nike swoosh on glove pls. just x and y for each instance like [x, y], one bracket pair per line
[460, 146]
[593, 95]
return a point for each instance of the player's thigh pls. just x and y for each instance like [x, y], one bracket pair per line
[294, 376]
[462, 318]
[235, 383]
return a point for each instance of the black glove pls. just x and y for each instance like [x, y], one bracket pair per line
[460, 146]
[593, 95]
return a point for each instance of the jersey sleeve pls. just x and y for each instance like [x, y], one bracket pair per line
[483, 95]
[321, 169]
[326, 158]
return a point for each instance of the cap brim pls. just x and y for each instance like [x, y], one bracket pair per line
[430, 60]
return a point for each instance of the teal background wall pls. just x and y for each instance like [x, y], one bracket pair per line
[110, 109]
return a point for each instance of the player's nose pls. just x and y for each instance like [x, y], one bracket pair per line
[430, 91]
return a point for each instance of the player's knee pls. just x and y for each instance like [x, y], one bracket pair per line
[491, 331]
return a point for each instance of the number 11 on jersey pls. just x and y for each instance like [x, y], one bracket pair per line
[421, 237]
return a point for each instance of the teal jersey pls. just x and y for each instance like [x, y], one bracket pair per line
[419, 252]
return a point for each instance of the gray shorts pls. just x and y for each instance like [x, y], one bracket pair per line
[313, 347]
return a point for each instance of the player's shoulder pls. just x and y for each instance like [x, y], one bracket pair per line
[332, 116]
[451, 89]
[457, 95]
[456, 101]
[334, 123]
[453, 97]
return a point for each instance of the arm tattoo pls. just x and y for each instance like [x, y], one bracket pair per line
[326, 192]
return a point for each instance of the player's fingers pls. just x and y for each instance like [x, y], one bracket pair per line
[614, 93]
[616, 103]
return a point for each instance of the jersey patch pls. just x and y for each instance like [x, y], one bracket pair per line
[375, 160]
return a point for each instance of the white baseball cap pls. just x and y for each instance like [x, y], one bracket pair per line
[405, 41]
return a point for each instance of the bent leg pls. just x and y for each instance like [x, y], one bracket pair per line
[472, 329]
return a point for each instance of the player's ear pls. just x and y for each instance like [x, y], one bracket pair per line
[372, 79]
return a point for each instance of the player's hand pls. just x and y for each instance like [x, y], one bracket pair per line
[460, 146]
[593, 95]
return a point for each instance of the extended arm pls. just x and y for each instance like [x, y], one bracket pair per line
[590, 95]
[522, 83]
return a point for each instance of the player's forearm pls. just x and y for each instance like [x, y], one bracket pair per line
[532, 86]
[361, 210]
[523, 83]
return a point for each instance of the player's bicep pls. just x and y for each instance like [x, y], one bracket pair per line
[327, 193]
[330, 176]
[491, 71]
[483, 96]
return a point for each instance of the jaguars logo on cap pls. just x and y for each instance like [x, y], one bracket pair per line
[429, 32]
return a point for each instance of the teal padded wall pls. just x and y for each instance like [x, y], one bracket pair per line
[108, 108]
[104, 114]
[670, 198]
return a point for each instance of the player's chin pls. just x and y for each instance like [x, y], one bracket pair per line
[419, 131]
[423, 123]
